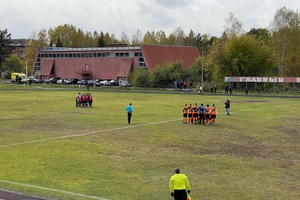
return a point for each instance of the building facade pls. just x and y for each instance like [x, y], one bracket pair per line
[114, 62]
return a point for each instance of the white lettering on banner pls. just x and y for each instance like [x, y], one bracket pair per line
[265, 79]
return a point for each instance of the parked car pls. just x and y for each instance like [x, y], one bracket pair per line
[81, 82]
[72, 81]
[103, 82]
[60, 81]
[114, 83]
[91, 82]
[52, 80]
[124, 83]
[34, 80]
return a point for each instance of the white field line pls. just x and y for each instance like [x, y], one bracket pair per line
[88, 133]
[70, 136]
[107, 130]
[78, 135]
[52, 190]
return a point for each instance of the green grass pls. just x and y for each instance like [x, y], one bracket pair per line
[252, 154]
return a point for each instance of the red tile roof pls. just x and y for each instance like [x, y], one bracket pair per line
[103, 68]
[114, 67]
[47, 64]
[126, 64]
[157, 55]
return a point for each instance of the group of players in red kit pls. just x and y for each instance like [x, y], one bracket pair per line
[193, 114]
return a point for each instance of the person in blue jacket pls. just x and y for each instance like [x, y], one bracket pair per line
[201, 112]
[129, 110]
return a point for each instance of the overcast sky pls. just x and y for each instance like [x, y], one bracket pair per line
[23, 17]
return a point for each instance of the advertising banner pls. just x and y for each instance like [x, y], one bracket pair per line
[254, 79]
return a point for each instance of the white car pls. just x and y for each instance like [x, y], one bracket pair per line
[103, 82]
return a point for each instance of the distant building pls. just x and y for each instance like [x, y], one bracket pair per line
[114, 62]
[18, 46]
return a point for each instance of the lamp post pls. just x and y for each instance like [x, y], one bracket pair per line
[202, 70]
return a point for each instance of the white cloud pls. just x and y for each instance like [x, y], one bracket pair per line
[21, 18]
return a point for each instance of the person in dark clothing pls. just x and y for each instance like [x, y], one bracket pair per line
[226, 89]
[246, 90]
[227, 106]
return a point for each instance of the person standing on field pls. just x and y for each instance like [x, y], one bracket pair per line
[179, 186]
[207, 114]
[213, 114]
[201, 113]
[227, 106]
[185, 111]
[129, 110]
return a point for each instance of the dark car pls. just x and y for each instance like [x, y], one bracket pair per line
[114, 83]
[73, 81]
[52, 80]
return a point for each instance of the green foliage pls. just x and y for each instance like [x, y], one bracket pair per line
[164, 76]
[286, 41]
[101, 42]
[240, 56]
[140, 77]
[14, 64]
[194, 73]
[5, 48]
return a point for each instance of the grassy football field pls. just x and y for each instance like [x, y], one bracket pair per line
[51, 148]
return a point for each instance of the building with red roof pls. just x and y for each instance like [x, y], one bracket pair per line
[114, 62]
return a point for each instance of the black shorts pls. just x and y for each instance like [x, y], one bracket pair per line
[190, 114]
[207, 116]
[180, 195]
[214, 116]
[184, 114]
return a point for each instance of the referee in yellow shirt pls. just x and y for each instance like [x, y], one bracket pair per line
[179, 185]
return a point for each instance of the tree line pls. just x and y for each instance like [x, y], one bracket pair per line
[272, 51]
